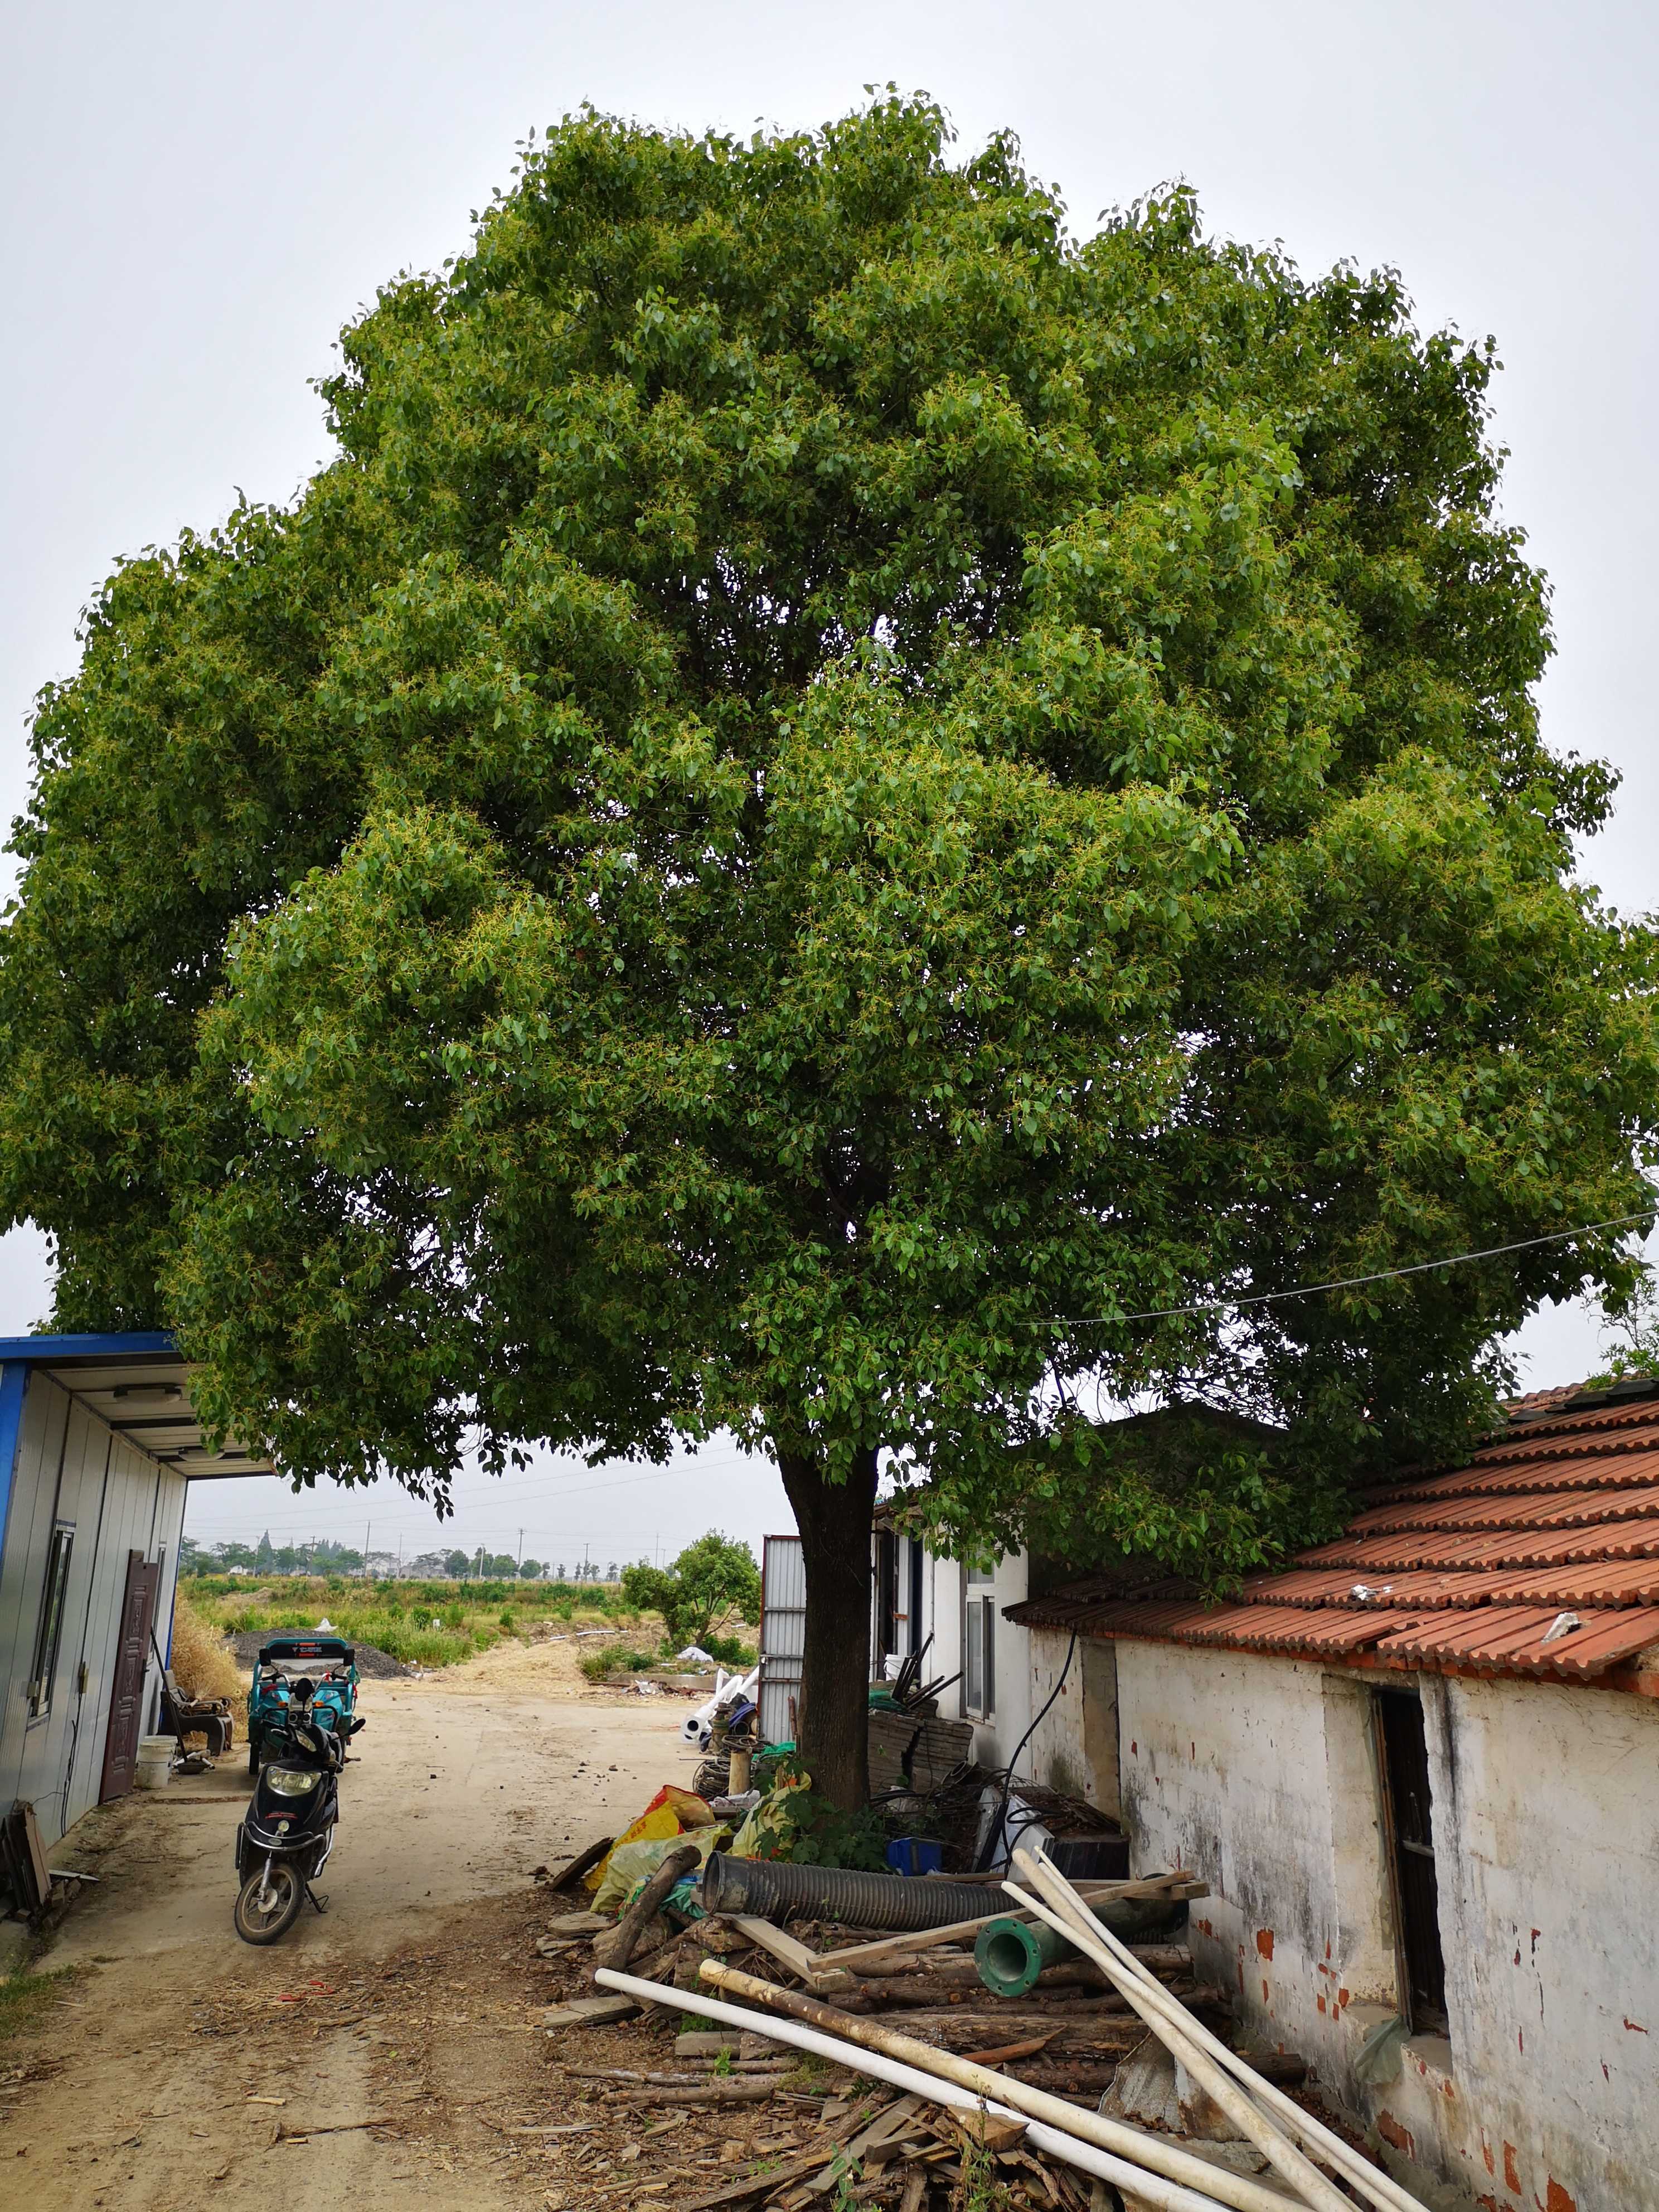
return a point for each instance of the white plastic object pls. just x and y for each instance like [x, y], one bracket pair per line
[152, 1769]
[1147, 2187]
[698, 1726]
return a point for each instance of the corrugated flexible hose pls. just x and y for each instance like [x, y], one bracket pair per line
[773, 1890]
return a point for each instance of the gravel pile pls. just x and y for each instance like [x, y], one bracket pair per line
[373, 1664]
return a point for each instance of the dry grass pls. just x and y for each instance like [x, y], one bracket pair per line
[201, 1664]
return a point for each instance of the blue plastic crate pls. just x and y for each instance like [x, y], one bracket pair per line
[915, 1855]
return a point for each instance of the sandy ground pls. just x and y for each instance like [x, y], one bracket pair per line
[177, 2059]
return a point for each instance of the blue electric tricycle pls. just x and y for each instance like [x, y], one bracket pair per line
[294, 1674]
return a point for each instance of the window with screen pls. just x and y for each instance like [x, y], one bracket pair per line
[979, 1646]
[50, 1632]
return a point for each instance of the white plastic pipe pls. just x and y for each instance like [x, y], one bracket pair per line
[1156, 2153]
[698, 1726]
[1169, 2016]
[1381, 2188]
[1151, 2188]
[1293, 2166]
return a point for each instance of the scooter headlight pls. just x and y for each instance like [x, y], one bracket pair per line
[290, 1781]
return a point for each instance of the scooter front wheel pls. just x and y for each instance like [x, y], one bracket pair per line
[269, 1899]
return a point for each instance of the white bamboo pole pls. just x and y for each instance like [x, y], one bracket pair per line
[1292, 2165]
[1151, 2188]
[1088, 1934]
[1379, 2187]
[1156, 2152]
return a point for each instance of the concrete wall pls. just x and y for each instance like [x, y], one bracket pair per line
[1546, 1845]
[70, 1468]
[1074, 1747]
[1258, 1773]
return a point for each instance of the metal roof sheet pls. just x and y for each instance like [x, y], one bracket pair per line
[137, 1383]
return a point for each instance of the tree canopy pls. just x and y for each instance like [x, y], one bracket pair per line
[841, 812]
[713, 1584]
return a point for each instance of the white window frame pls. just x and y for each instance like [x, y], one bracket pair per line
[978, 1645]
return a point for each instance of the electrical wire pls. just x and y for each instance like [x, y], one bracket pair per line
[1345, 1282]
[988, 1849]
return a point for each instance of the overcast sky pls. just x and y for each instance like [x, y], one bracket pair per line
[194, 199]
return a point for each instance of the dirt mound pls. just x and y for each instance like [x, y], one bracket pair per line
[373, 1664]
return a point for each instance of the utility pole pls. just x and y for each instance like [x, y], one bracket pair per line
[368, 1529]
[521, 1558]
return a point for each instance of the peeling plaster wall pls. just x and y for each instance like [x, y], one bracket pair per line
[1258, 1776]
[1546, 1845]
[1074, 1747]
[1258, 1773]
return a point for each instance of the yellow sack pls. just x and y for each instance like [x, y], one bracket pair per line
[670, 1813]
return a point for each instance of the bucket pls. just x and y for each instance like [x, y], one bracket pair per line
[154, 1769]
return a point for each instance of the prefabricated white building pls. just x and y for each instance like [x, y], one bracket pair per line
[99, 1442]
[914, 1596]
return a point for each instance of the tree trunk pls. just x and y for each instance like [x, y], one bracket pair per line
[833, 1715]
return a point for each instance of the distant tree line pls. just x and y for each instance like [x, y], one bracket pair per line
[327, 1557]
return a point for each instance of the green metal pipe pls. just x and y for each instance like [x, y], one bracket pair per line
[1010, 1954]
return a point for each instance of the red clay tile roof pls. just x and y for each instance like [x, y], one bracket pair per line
[1557, 1516]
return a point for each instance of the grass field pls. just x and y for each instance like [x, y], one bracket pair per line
[435, 1623]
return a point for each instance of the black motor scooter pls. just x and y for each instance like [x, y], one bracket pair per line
[287, 1831]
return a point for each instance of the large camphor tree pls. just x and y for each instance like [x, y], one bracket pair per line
[838, 801]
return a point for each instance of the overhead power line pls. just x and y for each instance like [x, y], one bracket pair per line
[1350, 1282]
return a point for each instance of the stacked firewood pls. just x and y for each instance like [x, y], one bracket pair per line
[1110, 2082]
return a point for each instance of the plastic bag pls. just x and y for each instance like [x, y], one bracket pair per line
[630, 1865]
[765, 1824]
[671, 1811]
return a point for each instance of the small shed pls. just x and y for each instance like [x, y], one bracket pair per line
[99, 1442]
[1420, 1771]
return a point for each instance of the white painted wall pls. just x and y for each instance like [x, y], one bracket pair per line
[1258, 1774]
[1547, 1846]
[995, 1737]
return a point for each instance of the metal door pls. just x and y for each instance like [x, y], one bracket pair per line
[126, 1704]
[782, 1636]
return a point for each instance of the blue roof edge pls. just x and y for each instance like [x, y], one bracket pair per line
[117, 1345]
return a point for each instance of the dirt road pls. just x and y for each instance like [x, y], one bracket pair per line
[178, 2062]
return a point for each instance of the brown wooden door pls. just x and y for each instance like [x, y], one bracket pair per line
[126, 1704]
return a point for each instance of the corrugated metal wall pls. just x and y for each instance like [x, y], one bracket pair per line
[782, 1635]
[71, 1471]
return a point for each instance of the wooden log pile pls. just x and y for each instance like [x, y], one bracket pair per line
[983, 2099]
